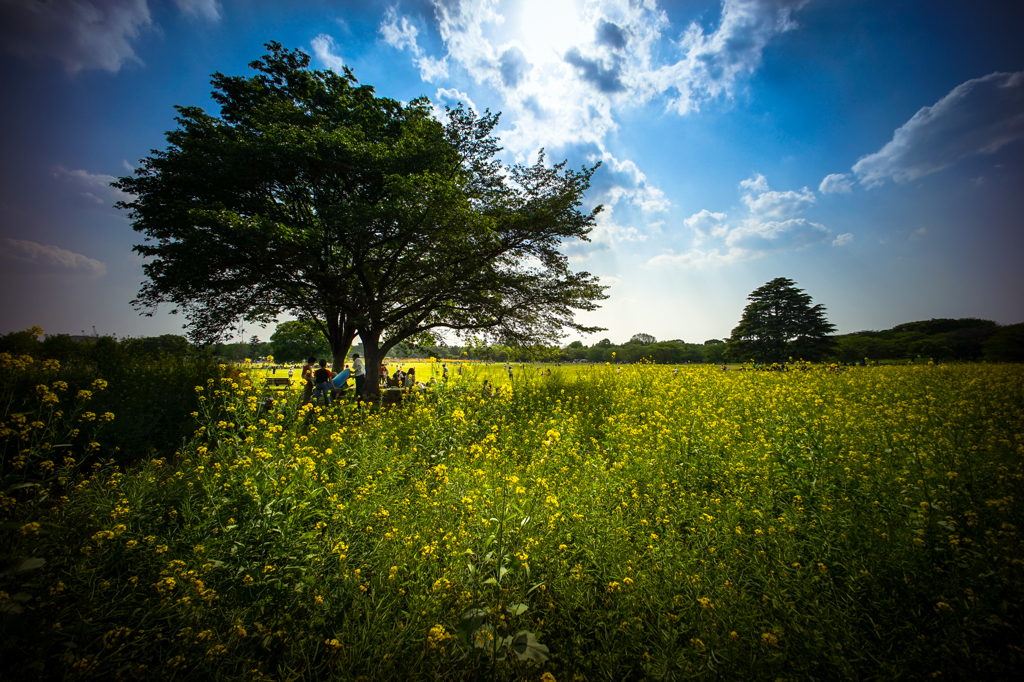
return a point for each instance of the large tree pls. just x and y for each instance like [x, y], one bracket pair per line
[312, 196]
[297, 340]
[780, 322]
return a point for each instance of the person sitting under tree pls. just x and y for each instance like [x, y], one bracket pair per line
[307, 378]
[359, 372]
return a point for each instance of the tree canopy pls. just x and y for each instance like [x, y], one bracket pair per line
[642, 339]
[780, 322]
[310, 195]
[298, 340]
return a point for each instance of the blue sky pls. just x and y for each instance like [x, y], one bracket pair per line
[871, 151]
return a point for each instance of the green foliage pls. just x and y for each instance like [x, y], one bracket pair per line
[642, 339]
[780, 323]
[1006, 344]
[297, 340]
[964, 339]
[150, 396]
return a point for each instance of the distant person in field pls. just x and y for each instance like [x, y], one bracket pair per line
[307, 378]
[359, 372]
[410, 378]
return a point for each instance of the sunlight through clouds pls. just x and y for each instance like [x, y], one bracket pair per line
[563, 67]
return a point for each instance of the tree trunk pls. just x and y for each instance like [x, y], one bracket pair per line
[340, 333]
[371, 347]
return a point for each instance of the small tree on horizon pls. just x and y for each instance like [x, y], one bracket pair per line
[779, 323]
[643, 339]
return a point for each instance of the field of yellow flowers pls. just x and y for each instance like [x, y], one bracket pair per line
[600, 523]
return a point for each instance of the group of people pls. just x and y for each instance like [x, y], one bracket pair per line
[400, 379]
[320, 382]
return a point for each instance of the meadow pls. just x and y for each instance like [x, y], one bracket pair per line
[600, 523]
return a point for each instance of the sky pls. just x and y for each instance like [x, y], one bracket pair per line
[871, 151]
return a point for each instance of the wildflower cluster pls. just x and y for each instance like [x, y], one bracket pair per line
[633, 524]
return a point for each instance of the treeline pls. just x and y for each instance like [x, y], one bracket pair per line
[966, 339]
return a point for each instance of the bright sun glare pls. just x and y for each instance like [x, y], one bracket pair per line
[548, 28]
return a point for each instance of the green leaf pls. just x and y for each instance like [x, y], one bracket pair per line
[469, 623]
[527, 648]
[517, 609]
[31, 564]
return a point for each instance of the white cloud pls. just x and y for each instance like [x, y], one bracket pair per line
[918, 233]
[754, 238]
[327, 52]
[836, 183]
[94, 186]
[979, 116]
[450, 97]
[82, 34]
[707, 224]
[768, 227]
[431, 69]
[843, 239]
[765, 203]
[400, 33]
[757, 183]
[620, 180]
[713, 63]
[85, 34]
[562, 67]
[50, 257]
[607, 234]
[205, 9]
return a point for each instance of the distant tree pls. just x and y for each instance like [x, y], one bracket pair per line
[1006, 345]
[604, 343]
[713, 342]
[643, 339]
[780, 322]
[166, 344]
[715, 352]
[297, 340]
